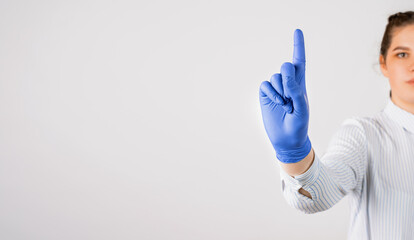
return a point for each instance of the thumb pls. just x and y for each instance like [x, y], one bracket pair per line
[292, 89]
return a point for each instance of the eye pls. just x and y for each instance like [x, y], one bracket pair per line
[399, 54]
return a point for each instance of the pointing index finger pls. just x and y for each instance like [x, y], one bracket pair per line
[299, 48]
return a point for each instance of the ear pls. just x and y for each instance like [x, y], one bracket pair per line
[383, 66]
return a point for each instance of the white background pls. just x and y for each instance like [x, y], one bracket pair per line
[141, 119]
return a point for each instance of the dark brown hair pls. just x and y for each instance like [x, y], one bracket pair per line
[396, 20]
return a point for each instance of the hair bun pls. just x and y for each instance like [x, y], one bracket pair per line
[394, 16]
[401, 16]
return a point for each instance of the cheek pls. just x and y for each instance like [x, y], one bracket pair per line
[394, 76]
[396, 73]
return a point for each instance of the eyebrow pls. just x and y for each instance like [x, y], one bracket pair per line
[401, 48]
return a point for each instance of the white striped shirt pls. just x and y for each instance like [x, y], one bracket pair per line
[371, 160]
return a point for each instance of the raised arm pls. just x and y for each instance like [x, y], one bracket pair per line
[285, 111]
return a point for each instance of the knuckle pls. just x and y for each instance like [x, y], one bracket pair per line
[275, 76]
[287, 69]
[263, 85]
[287, 64]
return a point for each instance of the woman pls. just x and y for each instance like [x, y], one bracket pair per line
[369, 159]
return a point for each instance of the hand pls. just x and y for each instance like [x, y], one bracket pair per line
[285, 108]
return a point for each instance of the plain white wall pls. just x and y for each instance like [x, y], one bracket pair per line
[141, 119]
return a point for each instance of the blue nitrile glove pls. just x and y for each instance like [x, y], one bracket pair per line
[285, 108]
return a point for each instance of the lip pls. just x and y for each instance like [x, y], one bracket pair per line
[410, 81]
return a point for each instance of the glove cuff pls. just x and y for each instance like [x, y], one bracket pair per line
[294, 155]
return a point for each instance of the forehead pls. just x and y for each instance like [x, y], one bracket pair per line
[403, 36]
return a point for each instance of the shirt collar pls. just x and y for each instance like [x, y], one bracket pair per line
[400, 116]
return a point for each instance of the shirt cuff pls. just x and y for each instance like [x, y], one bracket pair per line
[305, 179]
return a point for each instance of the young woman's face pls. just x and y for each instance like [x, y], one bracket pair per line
[399, 65]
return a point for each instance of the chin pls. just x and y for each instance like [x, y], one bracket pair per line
[406, 97]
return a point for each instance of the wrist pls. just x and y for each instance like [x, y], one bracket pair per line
[294, 155]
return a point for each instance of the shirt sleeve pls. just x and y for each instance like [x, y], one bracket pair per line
[340, 171]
